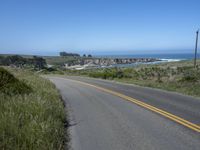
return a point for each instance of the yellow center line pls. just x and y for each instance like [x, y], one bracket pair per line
[147, 106]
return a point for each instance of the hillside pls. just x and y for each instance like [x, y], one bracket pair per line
[32, 113]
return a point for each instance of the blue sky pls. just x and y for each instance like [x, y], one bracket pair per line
[98, 26]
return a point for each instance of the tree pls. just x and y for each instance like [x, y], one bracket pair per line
[84, 55]
[63, 54]
[19, 61]
[69, 54]
[1, 60]
[13, 60]
[39, 62]
[89, 55]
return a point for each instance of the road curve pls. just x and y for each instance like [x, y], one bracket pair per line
[103, 121]
[186, 107]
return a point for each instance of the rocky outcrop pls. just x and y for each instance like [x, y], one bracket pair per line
[111, 61]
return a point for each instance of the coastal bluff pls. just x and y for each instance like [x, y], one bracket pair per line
[103, 62]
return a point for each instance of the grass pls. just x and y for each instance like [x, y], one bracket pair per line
[61, 61]
[57, 60]
[11, 85]
[180, 77]
[34, 119]
[51, 60]
[186, 88]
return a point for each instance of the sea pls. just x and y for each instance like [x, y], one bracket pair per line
[162, 57]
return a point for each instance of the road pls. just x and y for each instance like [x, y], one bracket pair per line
[104, 121]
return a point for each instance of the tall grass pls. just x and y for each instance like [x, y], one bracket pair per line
[32, 121]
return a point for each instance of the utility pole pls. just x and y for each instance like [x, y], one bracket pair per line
[196, 45]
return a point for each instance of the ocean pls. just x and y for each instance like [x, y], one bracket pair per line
[184, 56]
[162, 57]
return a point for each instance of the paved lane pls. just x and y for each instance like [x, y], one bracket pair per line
[102, 121]
[183, 106]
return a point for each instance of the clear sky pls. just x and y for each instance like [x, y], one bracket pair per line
[98, 26]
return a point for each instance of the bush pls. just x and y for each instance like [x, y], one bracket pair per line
[190, 75]
[11, 85]
[19, 61]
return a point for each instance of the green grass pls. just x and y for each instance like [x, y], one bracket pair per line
[60, 60]
[187, 88]
[32, 120]
[57, 60]
[51, 60]
[11, 85]
[180, 77]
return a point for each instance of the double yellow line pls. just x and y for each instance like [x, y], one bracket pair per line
[147, 106]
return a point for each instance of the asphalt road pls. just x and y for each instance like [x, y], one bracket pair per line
[102, 121]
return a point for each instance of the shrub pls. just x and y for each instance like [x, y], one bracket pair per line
[190, 75]
[11, 85]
